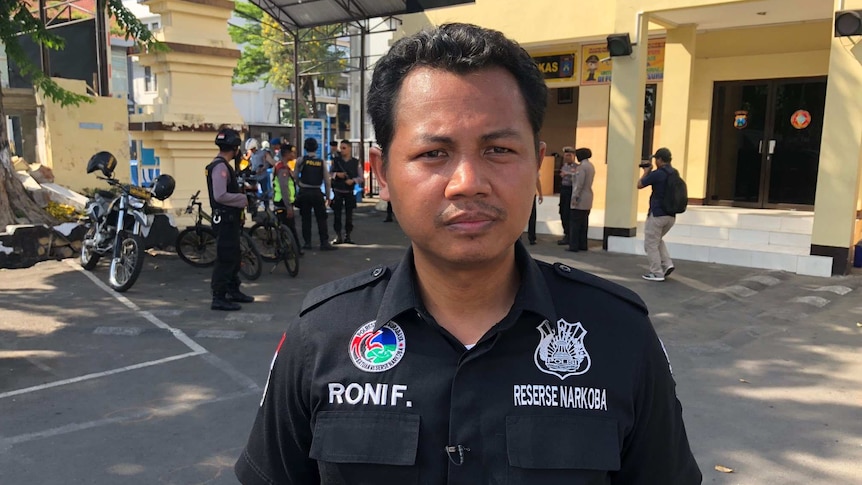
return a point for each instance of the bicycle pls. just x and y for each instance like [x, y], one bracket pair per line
[275, 242]
[196, 245]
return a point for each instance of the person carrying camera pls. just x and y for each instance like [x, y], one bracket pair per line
[658, 221]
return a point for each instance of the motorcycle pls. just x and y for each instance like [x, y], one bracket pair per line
[116, 223]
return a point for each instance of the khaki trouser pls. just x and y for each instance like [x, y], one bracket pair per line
[656, 250]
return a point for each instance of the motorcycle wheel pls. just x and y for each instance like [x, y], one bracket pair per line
[289, 251]
[251, 264]
[125, 271]
[197, 246]
[89, 258]
[265, 240]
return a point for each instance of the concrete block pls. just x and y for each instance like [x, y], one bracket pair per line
[713, 233]
[777, 261]
[760, 221]
[751, 236]
[790, 239]
[625, 245]
[62, 195]
[814, 266]
[688, 252]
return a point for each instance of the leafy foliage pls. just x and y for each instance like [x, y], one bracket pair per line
[16, 19]
[267, 55]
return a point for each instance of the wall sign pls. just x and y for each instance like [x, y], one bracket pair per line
[557, 67]
[597, 65]
[740, 119]
[800, 119]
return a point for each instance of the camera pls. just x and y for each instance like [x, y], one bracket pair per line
[645, 163]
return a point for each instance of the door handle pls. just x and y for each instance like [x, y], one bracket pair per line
[760, 146]
[772, 146]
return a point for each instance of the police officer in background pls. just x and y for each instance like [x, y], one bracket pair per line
[227, 202]
[345, 176]
[312, 172]
[469, 362]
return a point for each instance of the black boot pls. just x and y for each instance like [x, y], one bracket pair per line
[325, 246]
[347, 239]
[338, 240]
[239, 297]
[221, 303]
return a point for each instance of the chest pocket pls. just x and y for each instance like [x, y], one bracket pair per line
[366, 447]
[572, 450]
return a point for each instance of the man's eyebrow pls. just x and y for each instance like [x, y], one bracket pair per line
[504, 133]
[439, 139]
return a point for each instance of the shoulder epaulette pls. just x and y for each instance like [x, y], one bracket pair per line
[332, 289]
[616, 290]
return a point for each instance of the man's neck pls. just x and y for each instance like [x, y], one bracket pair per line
[468, 301]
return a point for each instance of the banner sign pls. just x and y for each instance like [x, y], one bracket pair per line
[313, 128]
[597, 65]
[558, 67]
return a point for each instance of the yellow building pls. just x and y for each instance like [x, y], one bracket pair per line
[757, 99]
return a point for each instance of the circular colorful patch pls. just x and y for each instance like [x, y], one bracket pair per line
[800, 119]
[377, 350]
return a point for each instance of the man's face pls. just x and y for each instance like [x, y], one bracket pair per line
[345, 150]
[462, 165]
[569, 157]
[592, 65]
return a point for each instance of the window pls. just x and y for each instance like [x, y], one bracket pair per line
[321, 83]
[649, 120]
[285, 111]
[149, 79]
[153, 26]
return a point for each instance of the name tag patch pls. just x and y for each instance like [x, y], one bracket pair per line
[368, 394]
[566, 397]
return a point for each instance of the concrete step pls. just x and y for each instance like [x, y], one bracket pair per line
[735, 253]
[781, 221]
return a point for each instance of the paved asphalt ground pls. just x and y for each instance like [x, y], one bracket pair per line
[151, 387]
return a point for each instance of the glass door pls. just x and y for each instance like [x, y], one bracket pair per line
[765, 143]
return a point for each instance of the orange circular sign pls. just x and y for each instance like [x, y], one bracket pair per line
[800, 119]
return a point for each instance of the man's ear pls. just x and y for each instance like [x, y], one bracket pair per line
[375, 155]
[543, 147]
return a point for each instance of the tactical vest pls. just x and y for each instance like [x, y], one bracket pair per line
[232, 184]
[312, 172]
[351, 167]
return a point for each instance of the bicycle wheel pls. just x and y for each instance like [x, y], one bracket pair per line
[250, 265]
[265, 240]
[197, 246]
[289, 251]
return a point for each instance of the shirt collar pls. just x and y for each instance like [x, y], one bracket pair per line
[533, 295]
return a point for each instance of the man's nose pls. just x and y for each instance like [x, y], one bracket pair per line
[470, 177]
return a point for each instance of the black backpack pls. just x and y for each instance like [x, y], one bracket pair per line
[675, 194]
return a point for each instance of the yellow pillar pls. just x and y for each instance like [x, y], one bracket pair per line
[678, 71]
[625, 131]
[838, 177]
[195, 97]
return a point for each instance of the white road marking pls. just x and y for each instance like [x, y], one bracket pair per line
[71, 428]
[230, 334]
[817, 301]
[96, 375]
[738, 290]
[124, 331]
[837, 289]
[763, 280]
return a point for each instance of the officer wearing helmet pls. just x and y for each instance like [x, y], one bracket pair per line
[227, 202]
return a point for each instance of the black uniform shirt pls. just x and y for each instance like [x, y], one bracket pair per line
[571, 387]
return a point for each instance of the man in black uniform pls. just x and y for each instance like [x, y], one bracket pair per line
[227, 202]
[468, 362]
[345, 176]
[312, 172]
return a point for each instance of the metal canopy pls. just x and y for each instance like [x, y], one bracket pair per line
[301, 14]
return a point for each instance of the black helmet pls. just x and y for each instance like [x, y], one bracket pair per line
[104, 162]
[228, 139]
[163, 186]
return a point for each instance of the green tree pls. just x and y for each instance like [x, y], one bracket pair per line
[16, 19]
[267, 55]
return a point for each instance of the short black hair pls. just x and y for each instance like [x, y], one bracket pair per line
[458, 48]
[333, 143]
[347, 142]
[286, 147]
[583, 154]
[310, 145]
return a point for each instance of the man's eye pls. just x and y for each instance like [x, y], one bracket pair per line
[434, 154]
[500, 150]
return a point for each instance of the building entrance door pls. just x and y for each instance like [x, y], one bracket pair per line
[765, 143]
